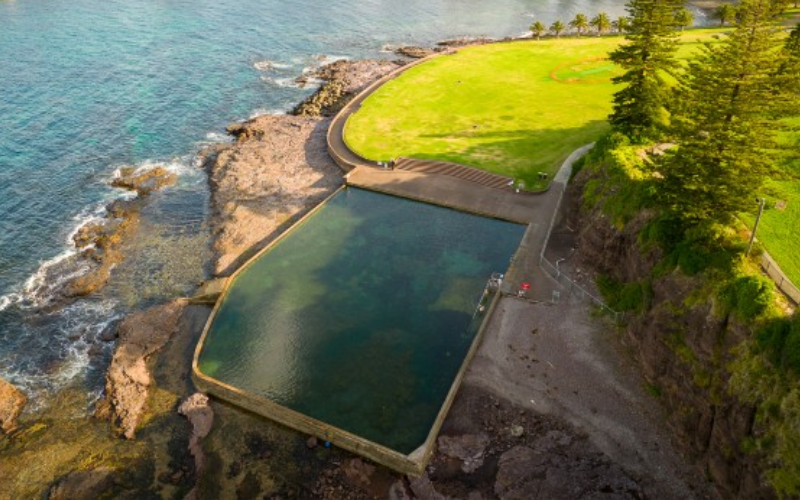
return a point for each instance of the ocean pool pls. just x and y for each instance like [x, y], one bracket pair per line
[362, 315]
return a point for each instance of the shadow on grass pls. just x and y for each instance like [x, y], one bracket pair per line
[521, 154]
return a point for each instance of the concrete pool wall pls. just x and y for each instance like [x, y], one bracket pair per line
[412, 463]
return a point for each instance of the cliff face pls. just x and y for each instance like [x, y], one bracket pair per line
[683, 344]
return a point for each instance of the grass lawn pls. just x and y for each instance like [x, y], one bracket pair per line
[511, 108]
[779, 230]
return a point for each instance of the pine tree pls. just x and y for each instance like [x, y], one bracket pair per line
[730, 106]
[639, 107]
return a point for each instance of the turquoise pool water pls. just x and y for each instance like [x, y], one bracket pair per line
[362, 316]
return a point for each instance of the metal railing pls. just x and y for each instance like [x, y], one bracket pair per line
[576, 290]
[781, 281]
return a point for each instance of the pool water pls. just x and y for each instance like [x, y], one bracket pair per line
[361, 317]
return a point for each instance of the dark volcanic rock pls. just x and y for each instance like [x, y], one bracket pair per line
[12, 401]
[343, 80]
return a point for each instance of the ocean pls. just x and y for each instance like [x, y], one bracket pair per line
[87, 87]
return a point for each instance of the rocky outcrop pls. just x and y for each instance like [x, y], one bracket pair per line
[197, 410]
[12, 401]
[144, 181]
[343, 81]
[128, 378]
[469, 449]
[278, 169]
[683, 349]
[100, 243]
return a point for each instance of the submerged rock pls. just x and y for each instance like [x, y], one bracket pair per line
[12, 401]
[78, 485]
[128, 378]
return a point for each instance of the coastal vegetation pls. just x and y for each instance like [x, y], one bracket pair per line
[727, 117]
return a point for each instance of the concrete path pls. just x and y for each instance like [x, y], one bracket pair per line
[561, 361]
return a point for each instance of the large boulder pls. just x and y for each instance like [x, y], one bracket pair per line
[12, 401]
[128, 378]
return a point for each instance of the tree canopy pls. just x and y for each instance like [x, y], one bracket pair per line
[726, 117]
[639, 107]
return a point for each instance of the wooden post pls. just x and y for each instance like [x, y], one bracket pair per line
[761, 203]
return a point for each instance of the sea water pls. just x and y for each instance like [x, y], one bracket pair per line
[89, 86]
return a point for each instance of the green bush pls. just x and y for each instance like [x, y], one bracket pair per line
[779, 340]
[624, 296]
[748, 297]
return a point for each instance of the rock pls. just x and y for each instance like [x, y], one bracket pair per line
[196, 409]
[109, 334]
[358, 472]
[414, 52]
[517, 431]
[128, 378]
[144, 181]
[469, 449]
[463, 41]
[423, 488]
[311, 443]
[12, 401]
[343, 80]
[399, 491]
[82, 485]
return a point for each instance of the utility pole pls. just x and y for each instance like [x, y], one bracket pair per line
[761, 203]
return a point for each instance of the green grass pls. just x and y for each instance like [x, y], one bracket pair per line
[779, 229]
[515, 109]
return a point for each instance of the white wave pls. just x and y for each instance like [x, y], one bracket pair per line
[329, 59]
[262, 112]
[8, 300]
[389, 48]
[214, 137]
[263, 65]
[270, 65]
[286, 82]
